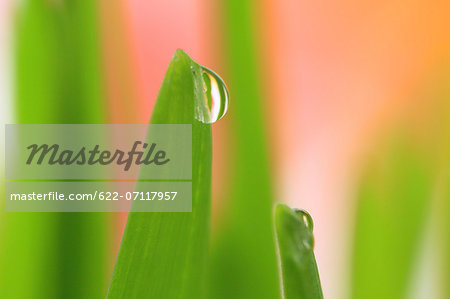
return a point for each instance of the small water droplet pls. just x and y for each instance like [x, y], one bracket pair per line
[308, 243]
[308, 222]
[306, 218]
[216, 94]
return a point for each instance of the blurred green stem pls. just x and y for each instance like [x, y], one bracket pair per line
[58, 80]
[244, 257]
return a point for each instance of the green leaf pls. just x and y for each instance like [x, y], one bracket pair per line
[295, 243]
[445, 233]
[244, 262]
[394, 201]
[163, 255]
[445, 221]
[56, 255]
[440, 126]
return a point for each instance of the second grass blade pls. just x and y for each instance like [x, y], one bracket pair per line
[298, 264]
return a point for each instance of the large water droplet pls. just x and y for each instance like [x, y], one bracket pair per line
[216, 95]
[306, 218]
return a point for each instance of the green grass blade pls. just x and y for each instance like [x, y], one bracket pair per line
[35, 89]
[295, 243]
[446, 238]
[244, 261]
[440, 128]
[444, 123]
[58, 80]
[394, 201]
[445, 233]
[163, 255]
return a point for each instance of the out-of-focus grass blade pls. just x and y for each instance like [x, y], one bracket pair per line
[295, 243]
[163, 255]
[445, 102]
[393, 207]
[58, 81]
[244, 263]
[445, 233]
[446, 219]
[441, 128]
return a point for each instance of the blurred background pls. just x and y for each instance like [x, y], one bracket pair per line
[341, 108]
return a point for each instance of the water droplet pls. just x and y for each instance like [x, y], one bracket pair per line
[308, 243]
[306, 218]
[216, 95]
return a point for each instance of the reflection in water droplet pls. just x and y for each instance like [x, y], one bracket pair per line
[307, 219]
[216, 94]
[308, 243]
